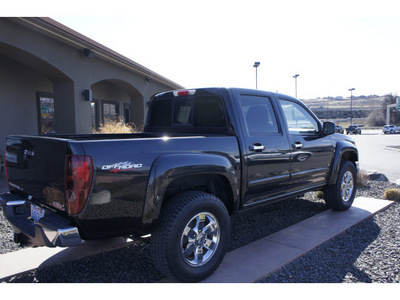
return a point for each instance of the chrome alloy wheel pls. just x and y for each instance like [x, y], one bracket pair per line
[200, 239]
[347, 186]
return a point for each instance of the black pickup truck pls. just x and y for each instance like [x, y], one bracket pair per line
[204, 155]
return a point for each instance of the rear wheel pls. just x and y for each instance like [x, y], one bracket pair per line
[191, 239]
[340, 196]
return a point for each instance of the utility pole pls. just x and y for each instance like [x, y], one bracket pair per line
[256, 65]
[295, 83]
[351, 105]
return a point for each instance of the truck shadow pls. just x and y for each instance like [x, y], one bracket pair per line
[133, 264]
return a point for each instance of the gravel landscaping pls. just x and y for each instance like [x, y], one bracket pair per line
[367, 252]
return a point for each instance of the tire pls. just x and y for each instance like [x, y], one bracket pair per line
[340, 196]
[1, 166]
[179, 248]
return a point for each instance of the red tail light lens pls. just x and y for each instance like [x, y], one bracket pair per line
[182, 93]
[79, 174]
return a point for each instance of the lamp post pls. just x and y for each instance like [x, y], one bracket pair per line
[295, 83]
[351, 105]
[256, 65]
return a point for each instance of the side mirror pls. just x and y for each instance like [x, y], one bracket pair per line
[329, 128]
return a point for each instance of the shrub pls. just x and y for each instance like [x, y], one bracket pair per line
[362, 178]
[117, 126]
[392, 194]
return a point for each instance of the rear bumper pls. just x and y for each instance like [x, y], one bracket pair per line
[51, 230]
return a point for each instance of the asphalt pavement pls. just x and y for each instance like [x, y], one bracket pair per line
[379, 152]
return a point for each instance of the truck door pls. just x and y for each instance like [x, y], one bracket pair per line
[311, 151]
[266, 149]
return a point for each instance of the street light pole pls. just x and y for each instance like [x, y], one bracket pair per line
[351, 105]
[256, 65]
[295, 83]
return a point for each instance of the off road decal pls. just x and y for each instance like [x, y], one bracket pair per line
[121, 167]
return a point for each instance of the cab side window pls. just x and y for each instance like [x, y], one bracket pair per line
[298, 119]
[259, 115]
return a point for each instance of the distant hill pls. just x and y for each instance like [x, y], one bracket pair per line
[340, 108]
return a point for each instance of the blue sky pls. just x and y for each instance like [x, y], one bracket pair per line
[332, 45]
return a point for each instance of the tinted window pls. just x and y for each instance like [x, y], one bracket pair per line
[197, 112]
[259, 115]
[208, 112]
[183, 111]
[298, 119]
[160, 114]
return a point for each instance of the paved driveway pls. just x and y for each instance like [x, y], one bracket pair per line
[377, 153]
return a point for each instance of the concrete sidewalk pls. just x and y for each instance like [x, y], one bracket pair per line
[260, 258]
[246, 264]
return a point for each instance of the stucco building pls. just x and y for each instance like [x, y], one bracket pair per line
[55, 80]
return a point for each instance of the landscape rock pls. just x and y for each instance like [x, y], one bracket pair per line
[375, 176]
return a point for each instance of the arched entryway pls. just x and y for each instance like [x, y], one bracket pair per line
[115, 97]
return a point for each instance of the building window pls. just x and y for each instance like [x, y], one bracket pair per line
[110, 110]
[45, 113]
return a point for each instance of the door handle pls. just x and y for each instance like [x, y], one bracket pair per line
[257, 147]
[297, 145]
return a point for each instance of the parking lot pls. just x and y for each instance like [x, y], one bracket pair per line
[379, 152]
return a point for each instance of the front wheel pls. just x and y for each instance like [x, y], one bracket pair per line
[1, 166]
[191, 240]
[340, 196]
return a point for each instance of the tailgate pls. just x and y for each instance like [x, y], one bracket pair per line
[36, 168]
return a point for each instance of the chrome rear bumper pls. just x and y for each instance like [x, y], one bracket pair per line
[51, 230]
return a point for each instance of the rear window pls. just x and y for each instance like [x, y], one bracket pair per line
[160, 115]
[191, 111]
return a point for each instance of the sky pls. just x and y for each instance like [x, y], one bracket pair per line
[332, 45]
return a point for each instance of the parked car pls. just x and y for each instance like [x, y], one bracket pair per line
[353, 129]
[339, 129]
[204, 155]
[390, 129]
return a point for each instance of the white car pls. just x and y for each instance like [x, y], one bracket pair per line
[390, 129]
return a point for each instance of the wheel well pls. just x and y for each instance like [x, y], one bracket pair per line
[216, 185]
[350, 156]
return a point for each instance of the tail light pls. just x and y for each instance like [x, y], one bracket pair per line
[78, 180]
[182, 93]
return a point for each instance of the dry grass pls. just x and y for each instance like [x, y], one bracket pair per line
[362, 178]
[117, 126]
[392, 194]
